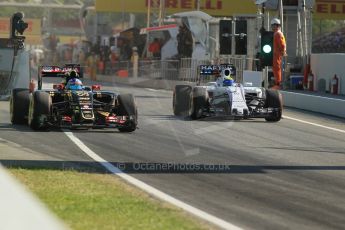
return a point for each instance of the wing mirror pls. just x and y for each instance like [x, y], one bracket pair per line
[58, 86]
[96, 87]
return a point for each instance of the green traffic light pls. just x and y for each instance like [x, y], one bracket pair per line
[267, 49]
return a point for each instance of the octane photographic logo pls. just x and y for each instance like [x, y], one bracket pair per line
[137, 167]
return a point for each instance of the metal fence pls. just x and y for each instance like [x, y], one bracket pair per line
[185, 69]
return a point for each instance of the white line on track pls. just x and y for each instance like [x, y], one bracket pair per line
[157, 90]
[149, 189]
[153, 90]
[314, 124]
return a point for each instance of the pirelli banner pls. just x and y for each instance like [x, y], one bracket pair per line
[211, 7]
[329, 9]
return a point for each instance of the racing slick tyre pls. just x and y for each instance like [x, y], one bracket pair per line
[19, 106]
[182, 100]
[127, 107]
[200, 102]
[39, 110]
[274, 100]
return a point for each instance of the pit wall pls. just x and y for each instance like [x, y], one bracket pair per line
[21, 71]
[324, 67]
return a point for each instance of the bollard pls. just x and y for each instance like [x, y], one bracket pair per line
[311, 79]
[135, 60]
[335, 85]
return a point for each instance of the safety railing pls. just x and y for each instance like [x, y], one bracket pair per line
[185, 69]
[165, 69]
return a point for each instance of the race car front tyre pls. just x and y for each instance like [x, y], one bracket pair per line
[19, 106]
[182, 100]
[200, 102]
[274, 100]
[39, 110]
[127, 107]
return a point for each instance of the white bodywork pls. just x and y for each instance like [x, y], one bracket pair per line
[258, 91]
[234, 94]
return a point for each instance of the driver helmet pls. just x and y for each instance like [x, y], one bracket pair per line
[227, 79]
[73, 74]
[75, 84]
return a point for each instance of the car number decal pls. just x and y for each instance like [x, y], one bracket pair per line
[82, 93]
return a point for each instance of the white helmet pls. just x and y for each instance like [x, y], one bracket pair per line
[275, 21]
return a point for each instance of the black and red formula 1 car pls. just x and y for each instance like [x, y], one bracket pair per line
[63, 108]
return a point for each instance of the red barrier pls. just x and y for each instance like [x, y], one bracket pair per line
[122, 73]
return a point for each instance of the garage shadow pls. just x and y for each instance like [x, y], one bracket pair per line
[159, 168]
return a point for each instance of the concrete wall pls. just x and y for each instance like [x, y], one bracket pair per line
[22, 68]
[21, 71]
[325, 105]
[324, 66]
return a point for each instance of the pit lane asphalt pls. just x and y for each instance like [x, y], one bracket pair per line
[285, 175]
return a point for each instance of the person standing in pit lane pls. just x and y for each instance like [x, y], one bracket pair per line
[279, 51]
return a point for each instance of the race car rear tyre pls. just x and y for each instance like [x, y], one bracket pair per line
[182, 100]
[19, 106]
[274, 100]
[200, 102]
[127, 107]
[39, 110]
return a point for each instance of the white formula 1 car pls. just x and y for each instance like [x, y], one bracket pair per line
[226, 98]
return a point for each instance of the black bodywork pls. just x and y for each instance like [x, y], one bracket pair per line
[63, 108]
[83, 108]
[87, 108]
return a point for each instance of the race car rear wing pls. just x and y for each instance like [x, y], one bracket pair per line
[216, 69]
[53, 71]
[206, 71]
[56, 71]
